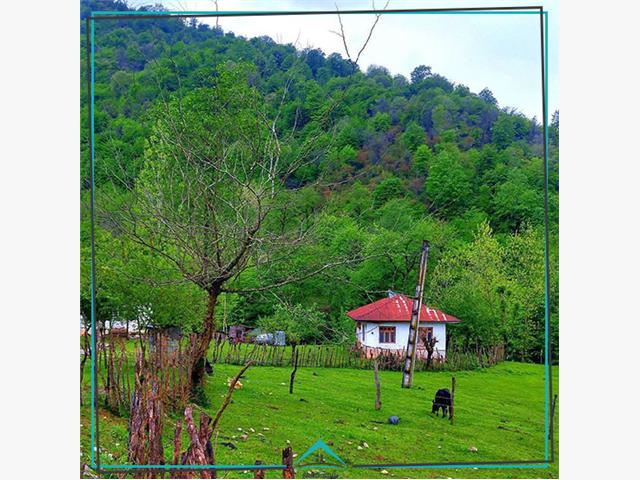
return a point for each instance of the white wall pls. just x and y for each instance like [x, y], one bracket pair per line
[370, 334]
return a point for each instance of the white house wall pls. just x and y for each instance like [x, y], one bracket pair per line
[370, 335]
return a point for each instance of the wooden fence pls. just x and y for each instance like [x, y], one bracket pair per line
[341, 356]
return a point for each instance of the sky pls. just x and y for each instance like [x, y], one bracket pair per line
[501, 52]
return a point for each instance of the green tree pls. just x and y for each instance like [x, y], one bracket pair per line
[449, 185]
[348, 155]
[413, 137]
[422, 159]
[442, 119]
[356, 201]
[381, 122]
[420, 73]
[524, 266]
[121, 81]
[470, 283]
[503, 131]
[515, 204]
[487, 95]
[134, 285]
[390, 187]
[300, 324]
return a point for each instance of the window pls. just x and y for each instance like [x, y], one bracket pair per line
[387, 334]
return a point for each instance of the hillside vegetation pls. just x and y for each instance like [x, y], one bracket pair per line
[389, 161]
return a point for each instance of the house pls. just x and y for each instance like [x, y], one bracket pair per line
[384, 325]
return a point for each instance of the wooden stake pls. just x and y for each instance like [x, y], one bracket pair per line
[377, 382]
[295, 369]
[551, 417]
[177, 443]
[287, 461]
[453, 396]
[258, 473]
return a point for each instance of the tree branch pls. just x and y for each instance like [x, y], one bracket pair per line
[227, 398]
[294, 279]
[343, 35]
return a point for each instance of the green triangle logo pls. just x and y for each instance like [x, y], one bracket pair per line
[320, 445]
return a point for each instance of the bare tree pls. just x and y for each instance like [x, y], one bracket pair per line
[215, 171]
[217, 10]
[343, 35]
[430, 345]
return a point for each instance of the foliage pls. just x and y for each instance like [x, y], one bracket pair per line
[498, 288]
[300, 324]
[422, 159]
[387, 189]
[448, 186]
[420, 73]
[134, 285]
[413, 137]
[388, 163]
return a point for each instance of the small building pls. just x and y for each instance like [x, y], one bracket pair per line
[259, 336]
[384, 325]
[171, 335]
[237, 333]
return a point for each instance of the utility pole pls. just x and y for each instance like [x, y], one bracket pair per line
[410, 360]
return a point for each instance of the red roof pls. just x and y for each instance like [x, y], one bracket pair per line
[397, 309]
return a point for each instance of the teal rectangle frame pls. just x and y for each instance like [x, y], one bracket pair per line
[549, 454]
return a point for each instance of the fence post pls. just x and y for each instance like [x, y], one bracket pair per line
[453, 396]
[377, 382]
[287, 461]
[258, 473]
[177, 446]
[295, 369]
[552, 415]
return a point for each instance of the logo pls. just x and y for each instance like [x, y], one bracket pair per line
[323, 447]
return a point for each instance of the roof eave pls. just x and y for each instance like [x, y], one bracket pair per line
[401, 321]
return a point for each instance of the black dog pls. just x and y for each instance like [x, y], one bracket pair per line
[442, 401]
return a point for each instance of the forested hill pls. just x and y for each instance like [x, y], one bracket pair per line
[407, 158]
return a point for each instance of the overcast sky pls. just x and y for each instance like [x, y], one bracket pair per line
[500, 51]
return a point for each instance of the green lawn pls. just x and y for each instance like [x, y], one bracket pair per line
[499, 411]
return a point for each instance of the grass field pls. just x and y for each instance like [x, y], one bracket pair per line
[499, 411]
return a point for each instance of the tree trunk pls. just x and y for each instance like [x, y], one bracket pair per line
[85, 354]
[287, 461]
[430, 345]
[203, 341]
